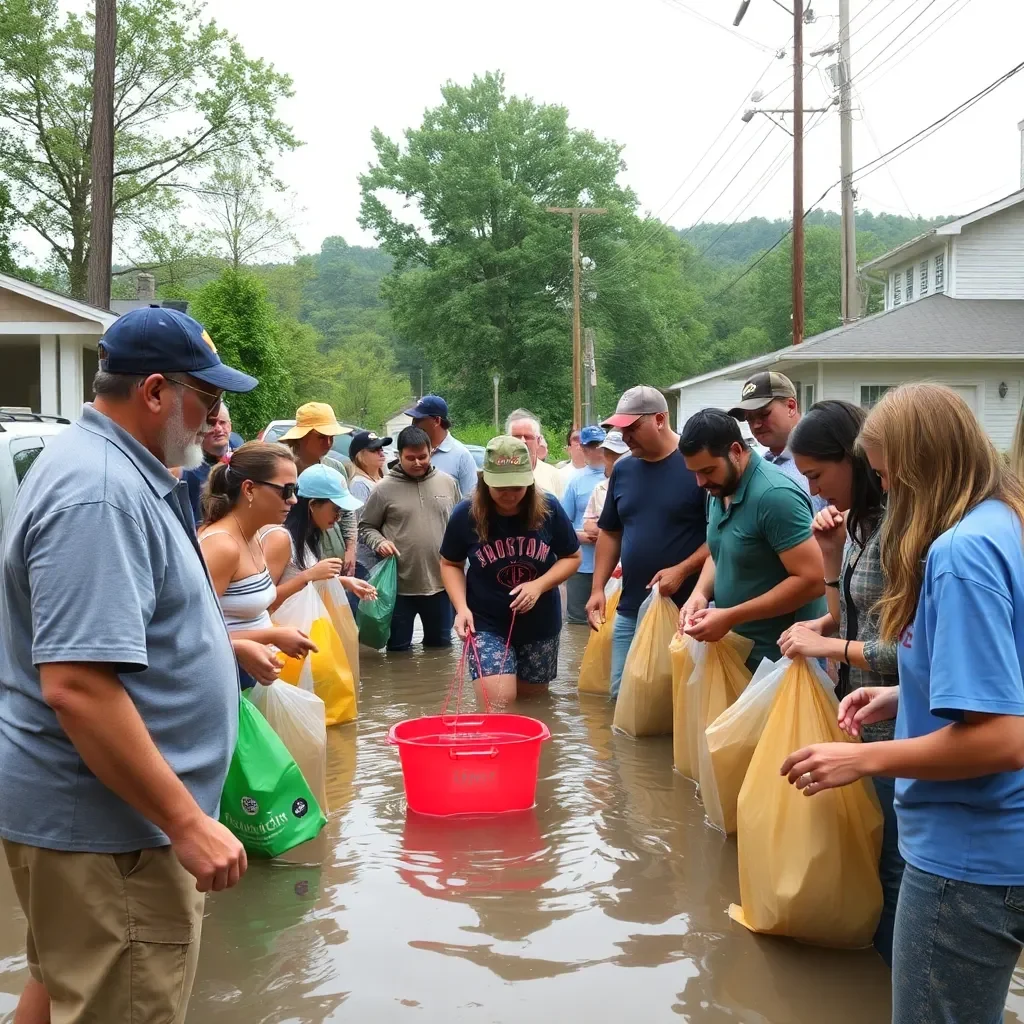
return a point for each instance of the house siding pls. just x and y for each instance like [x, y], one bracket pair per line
[989, 258]
[719, 393]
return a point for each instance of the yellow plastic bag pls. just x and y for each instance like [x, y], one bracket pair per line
[733, 736]
[298, 718]
[335, 599]
[644, 705]
[683, 650]
[327, 672]
[808, 865]
[719, 676]
[596, 667]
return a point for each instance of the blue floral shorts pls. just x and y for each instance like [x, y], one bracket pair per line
[533, 662]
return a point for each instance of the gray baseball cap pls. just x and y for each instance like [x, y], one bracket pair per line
[634, 403]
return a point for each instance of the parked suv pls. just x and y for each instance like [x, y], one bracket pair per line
[23, 435]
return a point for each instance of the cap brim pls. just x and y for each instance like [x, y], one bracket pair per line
[740, 411]
[617, 449]
[526, 479]
[417, 414]
[348, 503]
[622, 420]
[226, 378]
[326, 429]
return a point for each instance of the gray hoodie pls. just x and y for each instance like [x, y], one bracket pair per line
[412, 514]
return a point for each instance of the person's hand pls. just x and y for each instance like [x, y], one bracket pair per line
[258, 660]
[866, 706]
[325, 569]
[596, 609]
[829, 528]
[824, 766]
[363, 590]
[709, 625]
[387, 550]
[293, 642]
[590, 530]
[525, 596]
[464, 624]
[669, 580]
[694, 603]
[801, 641]
[210, 853]
[350, 561]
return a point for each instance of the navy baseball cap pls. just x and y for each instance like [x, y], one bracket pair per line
[429, 405]
[156, 339]
[591, 435]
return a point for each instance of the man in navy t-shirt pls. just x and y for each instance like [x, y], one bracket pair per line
[653, 520]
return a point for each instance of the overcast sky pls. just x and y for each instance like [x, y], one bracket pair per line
[655, 77]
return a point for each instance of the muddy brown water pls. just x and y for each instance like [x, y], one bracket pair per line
[606, 903]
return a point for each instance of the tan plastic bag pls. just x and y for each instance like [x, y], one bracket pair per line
[808, 865]
[719, 676]
[644, 705]
[298, 718]
[325, 673]
[335, 599]
[683, 650]
[596, 667]
[732, 737]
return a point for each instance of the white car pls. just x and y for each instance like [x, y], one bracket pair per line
[23, 435]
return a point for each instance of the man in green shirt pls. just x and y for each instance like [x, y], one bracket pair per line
[765, 571]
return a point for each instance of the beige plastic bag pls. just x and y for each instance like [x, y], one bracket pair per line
[719, 676]
[298, 718]
[732, 737]
[335, 599]
[596, 667]
[808, 866]
[644, 705]
[683, 650]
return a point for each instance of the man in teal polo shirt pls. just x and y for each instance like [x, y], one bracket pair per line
[765, 571]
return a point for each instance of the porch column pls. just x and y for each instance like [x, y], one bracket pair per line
[71, 396]
[49, 372]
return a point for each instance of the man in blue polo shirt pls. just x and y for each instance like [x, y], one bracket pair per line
[447, 454]
[574, 501]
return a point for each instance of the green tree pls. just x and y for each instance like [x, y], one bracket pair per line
[184, 93]
[369, 389]
[243, 325]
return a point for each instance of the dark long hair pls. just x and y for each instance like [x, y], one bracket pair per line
[254, 460]
[532, 510]
[828, 432]
[304, 531]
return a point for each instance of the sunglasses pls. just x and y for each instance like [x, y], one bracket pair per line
[287, 491]
[211, 400]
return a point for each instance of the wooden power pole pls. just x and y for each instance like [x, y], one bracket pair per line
[101, 230]
[850, 292]
[576, 212]
[798, 171]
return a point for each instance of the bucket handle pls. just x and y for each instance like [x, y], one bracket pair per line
[457, 754]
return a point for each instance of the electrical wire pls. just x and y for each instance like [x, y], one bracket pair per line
[917, 17]
[878, 149]
[717, 24]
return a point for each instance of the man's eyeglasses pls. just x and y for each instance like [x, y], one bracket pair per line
[287, 491]
[212, 401]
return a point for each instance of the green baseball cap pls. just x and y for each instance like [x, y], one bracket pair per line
[507, 463]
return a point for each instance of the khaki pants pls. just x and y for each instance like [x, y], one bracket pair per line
[114, 938]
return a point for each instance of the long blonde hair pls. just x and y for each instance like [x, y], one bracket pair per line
[940, 465]
[1016, 453]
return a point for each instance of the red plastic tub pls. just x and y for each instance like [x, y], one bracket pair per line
[469, 764]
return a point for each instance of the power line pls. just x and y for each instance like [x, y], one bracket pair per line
[878, 149]
[717, 24]
[873, 60]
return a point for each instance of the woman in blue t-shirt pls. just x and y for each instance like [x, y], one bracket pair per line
[520, 546]
[953, 560]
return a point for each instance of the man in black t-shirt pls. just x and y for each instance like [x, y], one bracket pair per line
[653, 520]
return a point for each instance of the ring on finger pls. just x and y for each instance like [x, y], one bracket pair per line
[808, 777]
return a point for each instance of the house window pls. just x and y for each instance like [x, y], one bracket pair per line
[808, 397]
[924, 277]
[910, 284]
[897, 288]
[870, 394]
[940, 272]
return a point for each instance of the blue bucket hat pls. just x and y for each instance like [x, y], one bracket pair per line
[325, 484]
[157, 339]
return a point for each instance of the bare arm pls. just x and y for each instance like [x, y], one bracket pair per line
[560, 571]
[804, 583]
[606, 557]
[453, 575]
[705, 585]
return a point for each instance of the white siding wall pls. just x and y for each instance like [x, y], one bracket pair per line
[717, 393]
[989, 258]
[979, 381]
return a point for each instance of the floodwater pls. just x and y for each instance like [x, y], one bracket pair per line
[608, 901]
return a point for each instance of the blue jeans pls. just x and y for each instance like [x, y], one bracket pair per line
[622, 636]
[436, 614]
[954, 949]
[890, 868]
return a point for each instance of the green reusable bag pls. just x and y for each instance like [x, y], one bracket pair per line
[266, 802]
[374, 617]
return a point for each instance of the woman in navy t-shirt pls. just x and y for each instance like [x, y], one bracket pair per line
[520, 546]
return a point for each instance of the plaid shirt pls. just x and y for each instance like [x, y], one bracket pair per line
[866, 586]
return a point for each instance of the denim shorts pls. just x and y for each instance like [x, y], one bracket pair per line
[532, 662]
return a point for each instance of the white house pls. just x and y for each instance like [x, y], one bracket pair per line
[954, 313]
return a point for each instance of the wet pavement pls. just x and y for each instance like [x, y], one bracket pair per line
[608, 900]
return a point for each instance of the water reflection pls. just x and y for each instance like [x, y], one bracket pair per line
[607, 901]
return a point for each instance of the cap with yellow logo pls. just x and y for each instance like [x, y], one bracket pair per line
[507, 463]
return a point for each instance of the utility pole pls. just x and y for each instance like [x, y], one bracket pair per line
[798, 171]
[497, 381]
[590, 375]
[576, 212]
[101, 229]
[850, 302]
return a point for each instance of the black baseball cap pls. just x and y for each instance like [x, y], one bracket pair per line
[366, 441]
[760, 390]
[156, 339]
